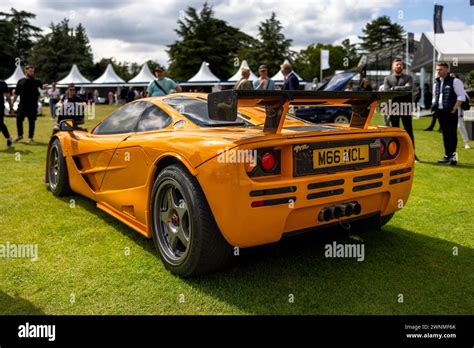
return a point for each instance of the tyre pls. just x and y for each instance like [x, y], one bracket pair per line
[58, 178]
[184, 230]
[341, 118]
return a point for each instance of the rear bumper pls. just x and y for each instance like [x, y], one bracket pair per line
[295, 203]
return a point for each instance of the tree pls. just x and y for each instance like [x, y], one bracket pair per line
[272, 48]
[7, 43]
[204, 38]
[55, 53]
[470, 79]
[350, 52]
[381, 33]
[308, 61]
[23, 32]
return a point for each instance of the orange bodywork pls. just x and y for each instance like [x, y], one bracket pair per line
[118, 171]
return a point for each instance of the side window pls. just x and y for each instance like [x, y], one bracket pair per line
[153, 118]
[124, 120]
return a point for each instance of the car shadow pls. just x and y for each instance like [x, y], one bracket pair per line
[293, 276]
[17, 306]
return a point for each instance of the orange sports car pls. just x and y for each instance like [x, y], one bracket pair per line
[203, 174]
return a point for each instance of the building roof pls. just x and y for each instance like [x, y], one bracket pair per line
[453, 45]
[74, 77]
[17, 74]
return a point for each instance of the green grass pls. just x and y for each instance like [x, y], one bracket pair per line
[82, 253]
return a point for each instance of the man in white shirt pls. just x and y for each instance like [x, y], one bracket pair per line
[448, 95]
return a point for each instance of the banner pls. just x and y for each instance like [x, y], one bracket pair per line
[438, 19]
[324, 59]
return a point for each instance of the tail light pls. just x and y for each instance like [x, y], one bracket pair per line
[268, 163]
[389, 148]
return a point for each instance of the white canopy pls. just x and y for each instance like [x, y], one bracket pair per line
[143, 77]
[278, 77]
[238, 75]
[451, 45]
[74, 77]
[17, 75]
[204, 75]
[109, 78]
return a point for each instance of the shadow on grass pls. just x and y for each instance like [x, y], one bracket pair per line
[293, 276]
[17, 306]
[12, 150]
[90, 206]
[422, 269]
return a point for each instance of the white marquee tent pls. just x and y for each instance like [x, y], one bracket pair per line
[108, 79]
[17, 74]
[204, 77]
[236, 77]
[143, 78]
[279, 78]
[75, 77]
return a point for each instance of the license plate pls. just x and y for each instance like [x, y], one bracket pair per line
[340, 156]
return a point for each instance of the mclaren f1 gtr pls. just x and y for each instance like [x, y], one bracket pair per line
[203, 174]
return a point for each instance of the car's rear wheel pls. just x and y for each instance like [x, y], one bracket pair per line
[184, 231]
[341, 118]
[58, 178]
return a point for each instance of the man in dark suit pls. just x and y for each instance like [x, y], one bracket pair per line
[291, 80]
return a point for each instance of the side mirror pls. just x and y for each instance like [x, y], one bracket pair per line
[66, 126]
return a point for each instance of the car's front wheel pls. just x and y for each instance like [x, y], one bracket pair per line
[58, 178]
[184, 231]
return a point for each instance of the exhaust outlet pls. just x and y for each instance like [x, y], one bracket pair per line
[356, 208]
[339, 211]
[349, 210]
[326, 214]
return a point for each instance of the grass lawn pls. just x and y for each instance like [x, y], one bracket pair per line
[89, 263]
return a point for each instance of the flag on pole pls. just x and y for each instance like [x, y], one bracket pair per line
[472, 2]
[438, 19]
[324, 59]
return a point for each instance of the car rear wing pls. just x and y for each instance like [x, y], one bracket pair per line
[222, 106]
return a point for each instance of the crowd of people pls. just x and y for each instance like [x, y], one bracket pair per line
[445, 101]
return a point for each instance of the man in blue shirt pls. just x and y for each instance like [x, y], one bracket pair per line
[162, 85]
[263, 82]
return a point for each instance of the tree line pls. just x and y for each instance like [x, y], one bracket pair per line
[201, 37]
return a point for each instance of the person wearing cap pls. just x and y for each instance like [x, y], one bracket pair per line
[291, 80]
[162, 85]
[244, 82]
[263, 82]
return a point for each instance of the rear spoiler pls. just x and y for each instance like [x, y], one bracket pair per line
[222, 106]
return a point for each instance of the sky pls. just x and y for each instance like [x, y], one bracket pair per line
[136, 31]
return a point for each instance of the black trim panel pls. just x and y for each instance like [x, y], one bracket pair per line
[325, 194]
[399, 180]
[367, 177]
[276, 201]
[400, 171]
[367, 186]
[273, 191]
[317, 185]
